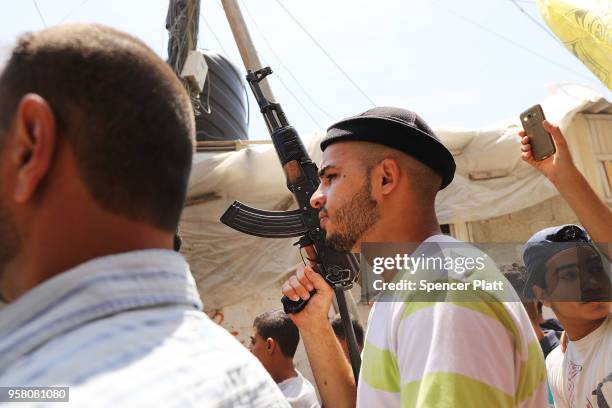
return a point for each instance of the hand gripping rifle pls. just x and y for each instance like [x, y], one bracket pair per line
[338, 269]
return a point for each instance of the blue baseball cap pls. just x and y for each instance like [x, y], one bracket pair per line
[546, 243]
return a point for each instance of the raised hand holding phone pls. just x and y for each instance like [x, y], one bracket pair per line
[542, 145]
[554, 165]
[593, 213]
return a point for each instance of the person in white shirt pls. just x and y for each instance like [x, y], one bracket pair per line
[567, 273]
[274, 341]
[96, 146]
[569, 270]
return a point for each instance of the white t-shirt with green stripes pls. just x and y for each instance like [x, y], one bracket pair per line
[451, 354]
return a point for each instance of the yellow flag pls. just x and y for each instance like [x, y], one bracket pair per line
[585, 28]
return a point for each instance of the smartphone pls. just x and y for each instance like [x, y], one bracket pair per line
[542, 145]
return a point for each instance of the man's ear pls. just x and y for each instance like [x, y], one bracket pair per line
[270, 345]
[33, 145]
[540, 295]
[389, 175]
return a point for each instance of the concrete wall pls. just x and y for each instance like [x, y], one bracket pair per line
[519, 226]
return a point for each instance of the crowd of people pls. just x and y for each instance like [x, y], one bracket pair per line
[96, 145]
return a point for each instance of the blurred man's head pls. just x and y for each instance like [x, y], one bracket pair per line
[96, 141]
[567, 273]
[517, 276]
[338, 328]
[375, 165]
[274, 341]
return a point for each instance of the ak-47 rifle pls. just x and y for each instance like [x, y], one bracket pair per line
[338, 269]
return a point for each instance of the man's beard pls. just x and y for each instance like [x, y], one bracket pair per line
[353, 219]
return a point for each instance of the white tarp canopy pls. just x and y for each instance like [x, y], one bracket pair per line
[229, 265]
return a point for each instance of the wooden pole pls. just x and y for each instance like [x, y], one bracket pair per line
[245, 43]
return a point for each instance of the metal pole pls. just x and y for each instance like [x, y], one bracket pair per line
[349, 332]
[245, 43]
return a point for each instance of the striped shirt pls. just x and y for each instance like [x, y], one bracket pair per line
[128, 330]
[451, 354]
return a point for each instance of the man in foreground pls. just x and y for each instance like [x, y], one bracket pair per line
[96, 142]
[274, 341]
[380, 173]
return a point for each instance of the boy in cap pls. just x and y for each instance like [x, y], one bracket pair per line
[567, 273]
[380, 173]
[570, 273]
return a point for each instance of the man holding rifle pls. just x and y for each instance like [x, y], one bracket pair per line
[380, 173]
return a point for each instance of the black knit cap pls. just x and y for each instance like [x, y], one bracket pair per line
[399, 129]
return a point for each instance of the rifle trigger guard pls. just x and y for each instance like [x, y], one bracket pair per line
[339, 277]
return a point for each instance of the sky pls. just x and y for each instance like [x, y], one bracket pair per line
[457, 63]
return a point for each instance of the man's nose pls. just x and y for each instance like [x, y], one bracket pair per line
[318, 199]
[591, 281]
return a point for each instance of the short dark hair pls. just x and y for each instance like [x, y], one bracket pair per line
[178, 242]
[277, 325]
[122, 110]
[516, 275]
[339, 329]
